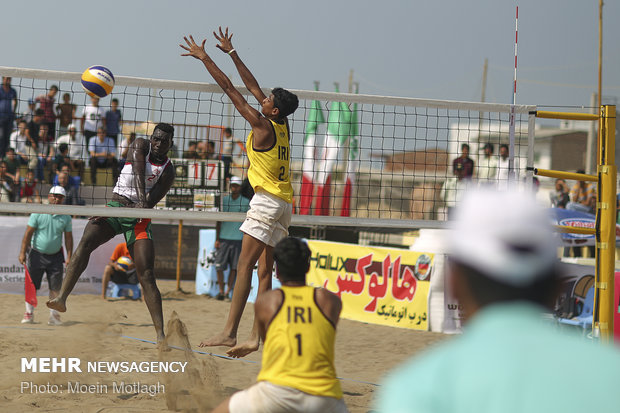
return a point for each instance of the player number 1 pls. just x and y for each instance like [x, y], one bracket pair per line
[298, 337]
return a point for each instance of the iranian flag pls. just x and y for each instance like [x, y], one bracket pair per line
[353, 162]
[315, 118]
[338, 126]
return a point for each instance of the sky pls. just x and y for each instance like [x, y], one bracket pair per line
[409, 48]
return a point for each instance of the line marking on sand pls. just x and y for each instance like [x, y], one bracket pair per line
[234, 358]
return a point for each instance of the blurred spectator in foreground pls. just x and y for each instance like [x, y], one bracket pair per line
[560, 198]
[113, 121]
[77, 148]
[8, 106]
[487, 165]
[66, 114]
[30, 189]
[502, 268]
[102, 155]
[467, 164]
[46, 103]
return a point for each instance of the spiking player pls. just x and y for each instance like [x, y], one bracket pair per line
[269, 216]
[146, 177]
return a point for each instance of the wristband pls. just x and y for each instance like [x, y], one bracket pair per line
[231, 50]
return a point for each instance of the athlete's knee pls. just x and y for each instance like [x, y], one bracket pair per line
[147, 276]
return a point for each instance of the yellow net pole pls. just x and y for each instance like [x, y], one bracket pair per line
[606, 215]
[179, 247]
[565, 115]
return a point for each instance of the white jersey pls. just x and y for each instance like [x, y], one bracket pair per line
[152, 172]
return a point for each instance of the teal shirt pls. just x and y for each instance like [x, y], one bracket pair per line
[230, 230]
[47, 237]
[508, 360]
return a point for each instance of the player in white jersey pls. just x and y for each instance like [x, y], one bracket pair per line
[146, 177]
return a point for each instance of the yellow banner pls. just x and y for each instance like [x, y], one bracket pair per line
[376, 285]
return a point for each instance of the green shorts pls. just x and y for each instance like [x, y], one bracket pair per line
[133, 228]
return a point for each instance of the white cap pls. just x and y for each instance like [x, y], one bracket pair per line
[58, 190]
[235, 180]
[504, 235]
[71, 126]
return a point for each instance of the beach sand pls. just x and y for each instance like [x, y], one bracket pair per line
[95, 330]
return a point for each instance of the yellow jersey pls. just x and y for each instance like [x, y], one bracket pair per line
[299, 346]
[270, 168]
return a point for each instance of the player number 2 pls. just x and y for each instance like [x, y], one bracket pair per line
[298, 338]
[281, 176]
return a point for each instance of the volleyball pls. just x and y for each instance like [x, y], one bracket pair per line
[97, 81]
[125, 263]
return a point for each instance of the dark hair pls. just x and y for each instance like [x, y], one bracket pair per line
[211, 144]
[54, 87]
[165, 127]
[63, 147]
[292, 257]
[39, 112]
[503, 145]
[285, 101]
[228, 131]
[487, 291]
[463, 146]
[114, 100]
[490, 146]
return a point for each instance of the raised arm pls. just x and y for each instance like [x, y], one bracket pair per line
[248, 112]
[248, 78]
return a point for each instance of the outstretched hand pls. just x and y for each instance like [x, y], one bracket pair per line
[194, 50]
[225, 40]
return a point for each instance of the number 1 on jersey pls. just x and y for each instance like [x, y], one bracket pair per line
[298, 338]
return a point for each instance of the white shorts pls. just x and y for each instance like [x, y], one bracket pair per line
[268, 218]
[265, 397]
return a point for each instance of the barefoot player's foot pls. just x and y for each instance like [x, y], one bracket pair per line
[221, 339]
[57, 304]
[162, 345]
[244, 349]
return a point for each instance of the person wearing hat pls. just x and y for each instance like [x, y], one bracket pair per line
[228, 238]
[41, 252]
[76, 148]
[487, 165]
[503, 270]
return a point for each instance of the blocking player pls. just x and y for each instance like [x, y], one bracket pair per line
[298, 325]
[269, 216]
[146, 177]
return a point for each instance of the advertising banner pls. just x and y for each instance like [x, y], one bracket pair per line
[376, 285]
[12, 273]
[206, 276]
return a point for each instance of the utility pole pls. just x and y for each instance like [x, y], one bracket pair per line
[351, 81]
[483, 96]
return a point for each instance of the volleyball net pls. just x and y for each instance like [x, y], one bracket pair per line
[356, 160]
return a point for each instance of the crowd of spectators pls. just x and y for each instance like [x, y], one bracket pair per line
[44, 138]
